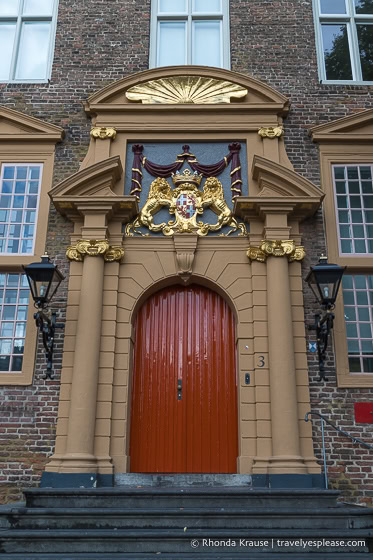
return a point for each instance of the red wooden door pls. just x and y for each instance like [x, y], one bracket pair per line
[185, 337]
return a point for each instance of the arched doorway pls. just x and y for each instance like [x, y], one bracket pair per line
[184, 389]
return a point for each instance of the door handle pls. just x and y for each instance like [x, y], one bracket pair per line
[179, 389]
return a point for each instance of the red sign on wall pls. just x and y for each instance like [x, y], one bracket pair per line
[363, 413]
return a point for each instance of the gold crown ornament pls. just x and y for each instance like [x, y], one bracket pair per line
[186, 177]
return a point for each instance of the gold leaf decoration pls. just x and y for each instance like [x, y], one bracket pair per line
[186, 89]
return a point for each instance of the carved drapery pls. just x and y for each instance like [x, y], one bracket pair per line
[165, 171]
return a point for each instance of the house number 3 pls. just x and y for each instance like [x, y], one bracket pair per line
[261, 361]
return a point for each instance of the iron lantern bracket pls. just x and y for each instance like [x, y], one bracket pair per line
[46, 323]
[323, 326]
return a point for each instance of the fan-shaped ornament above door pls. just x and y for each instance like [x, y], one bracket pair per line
[186, 89]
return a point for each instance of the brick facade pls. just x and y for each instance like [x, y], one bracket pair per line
[273, 42]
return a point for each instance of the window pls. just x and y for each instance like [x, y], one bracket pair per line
[358, 311]
[353, 189]
[14, 299]
[190, 32]
[19, 194]
[344, 32]
[27, 31]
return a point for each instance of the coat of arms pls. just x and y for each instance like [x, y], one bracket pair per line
[186, 202]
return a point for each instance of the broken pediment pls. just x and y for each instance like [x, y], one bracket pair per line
[93, 188]
[356, 127]
[281, 188]
[18, 126]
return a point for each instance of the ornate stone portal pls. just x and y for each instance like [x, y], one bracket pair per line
[264, 292]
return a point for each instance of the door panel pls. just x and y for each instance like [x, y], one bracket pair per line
[184, 335]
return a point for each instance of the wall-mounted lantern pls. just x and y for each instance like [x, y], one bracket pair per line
[44, 279]
[324, 280]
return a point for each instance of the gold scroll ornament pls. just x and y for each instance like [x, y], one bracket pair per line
[186, 89]
[277, 248]
[103, 132]
[271, 132]
[94, 248]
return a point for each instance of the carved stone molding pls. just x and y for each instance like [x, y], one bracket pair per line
[94, 248]
[271, 132]
[186, 89]
[185, 247]
[276, 248]
[103, 132]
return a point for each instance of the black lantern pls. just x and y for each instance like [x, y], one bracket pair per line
[44, 278]
[324, 280]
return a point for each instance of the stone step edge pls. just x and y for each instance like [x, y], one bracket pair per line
[177, 490]
[161, 534]
[186, 511]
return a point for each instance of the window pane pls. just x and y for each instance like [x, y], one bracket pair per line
[332, 6]
[206, 6]
[38, 7]
[9, 8]
[7, 32]
[33, 51]
[172, 6]
[172, 45]
[365, 36]
[364, 6]
[207, 43]
[336, 52]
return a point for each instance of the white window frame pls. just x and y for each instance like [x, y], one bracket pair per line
[16, 165]
[189, 18]
[19, 20]
[350, 18]
[350, 223]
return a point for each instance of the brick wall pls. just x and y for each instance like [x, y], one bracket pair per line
[273, 42]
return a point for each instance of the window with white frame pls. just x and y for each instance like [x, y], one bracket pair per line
[353, 188]
[358, 310]
[14, 299]
[19, 197]
[344, 33]
[27, 32]
[190, 32]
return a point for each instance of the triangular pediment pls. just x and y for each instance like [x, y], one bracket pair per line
[358, 126]
[16, 125]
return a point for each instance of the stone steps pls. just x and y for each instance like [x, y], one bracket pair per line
[135, 523]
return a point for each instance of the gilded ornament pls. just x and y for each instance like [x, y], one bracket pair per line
[277, 248]
[94, 248]
[186, 89]
[73, 255]
[103, 132]
[271, 132]
[185, 202]
[114, 254]
[298, 255]
[256, 254]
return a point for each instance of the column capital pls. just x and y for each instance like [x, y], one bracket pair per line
[276, 248]
[94, 248]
